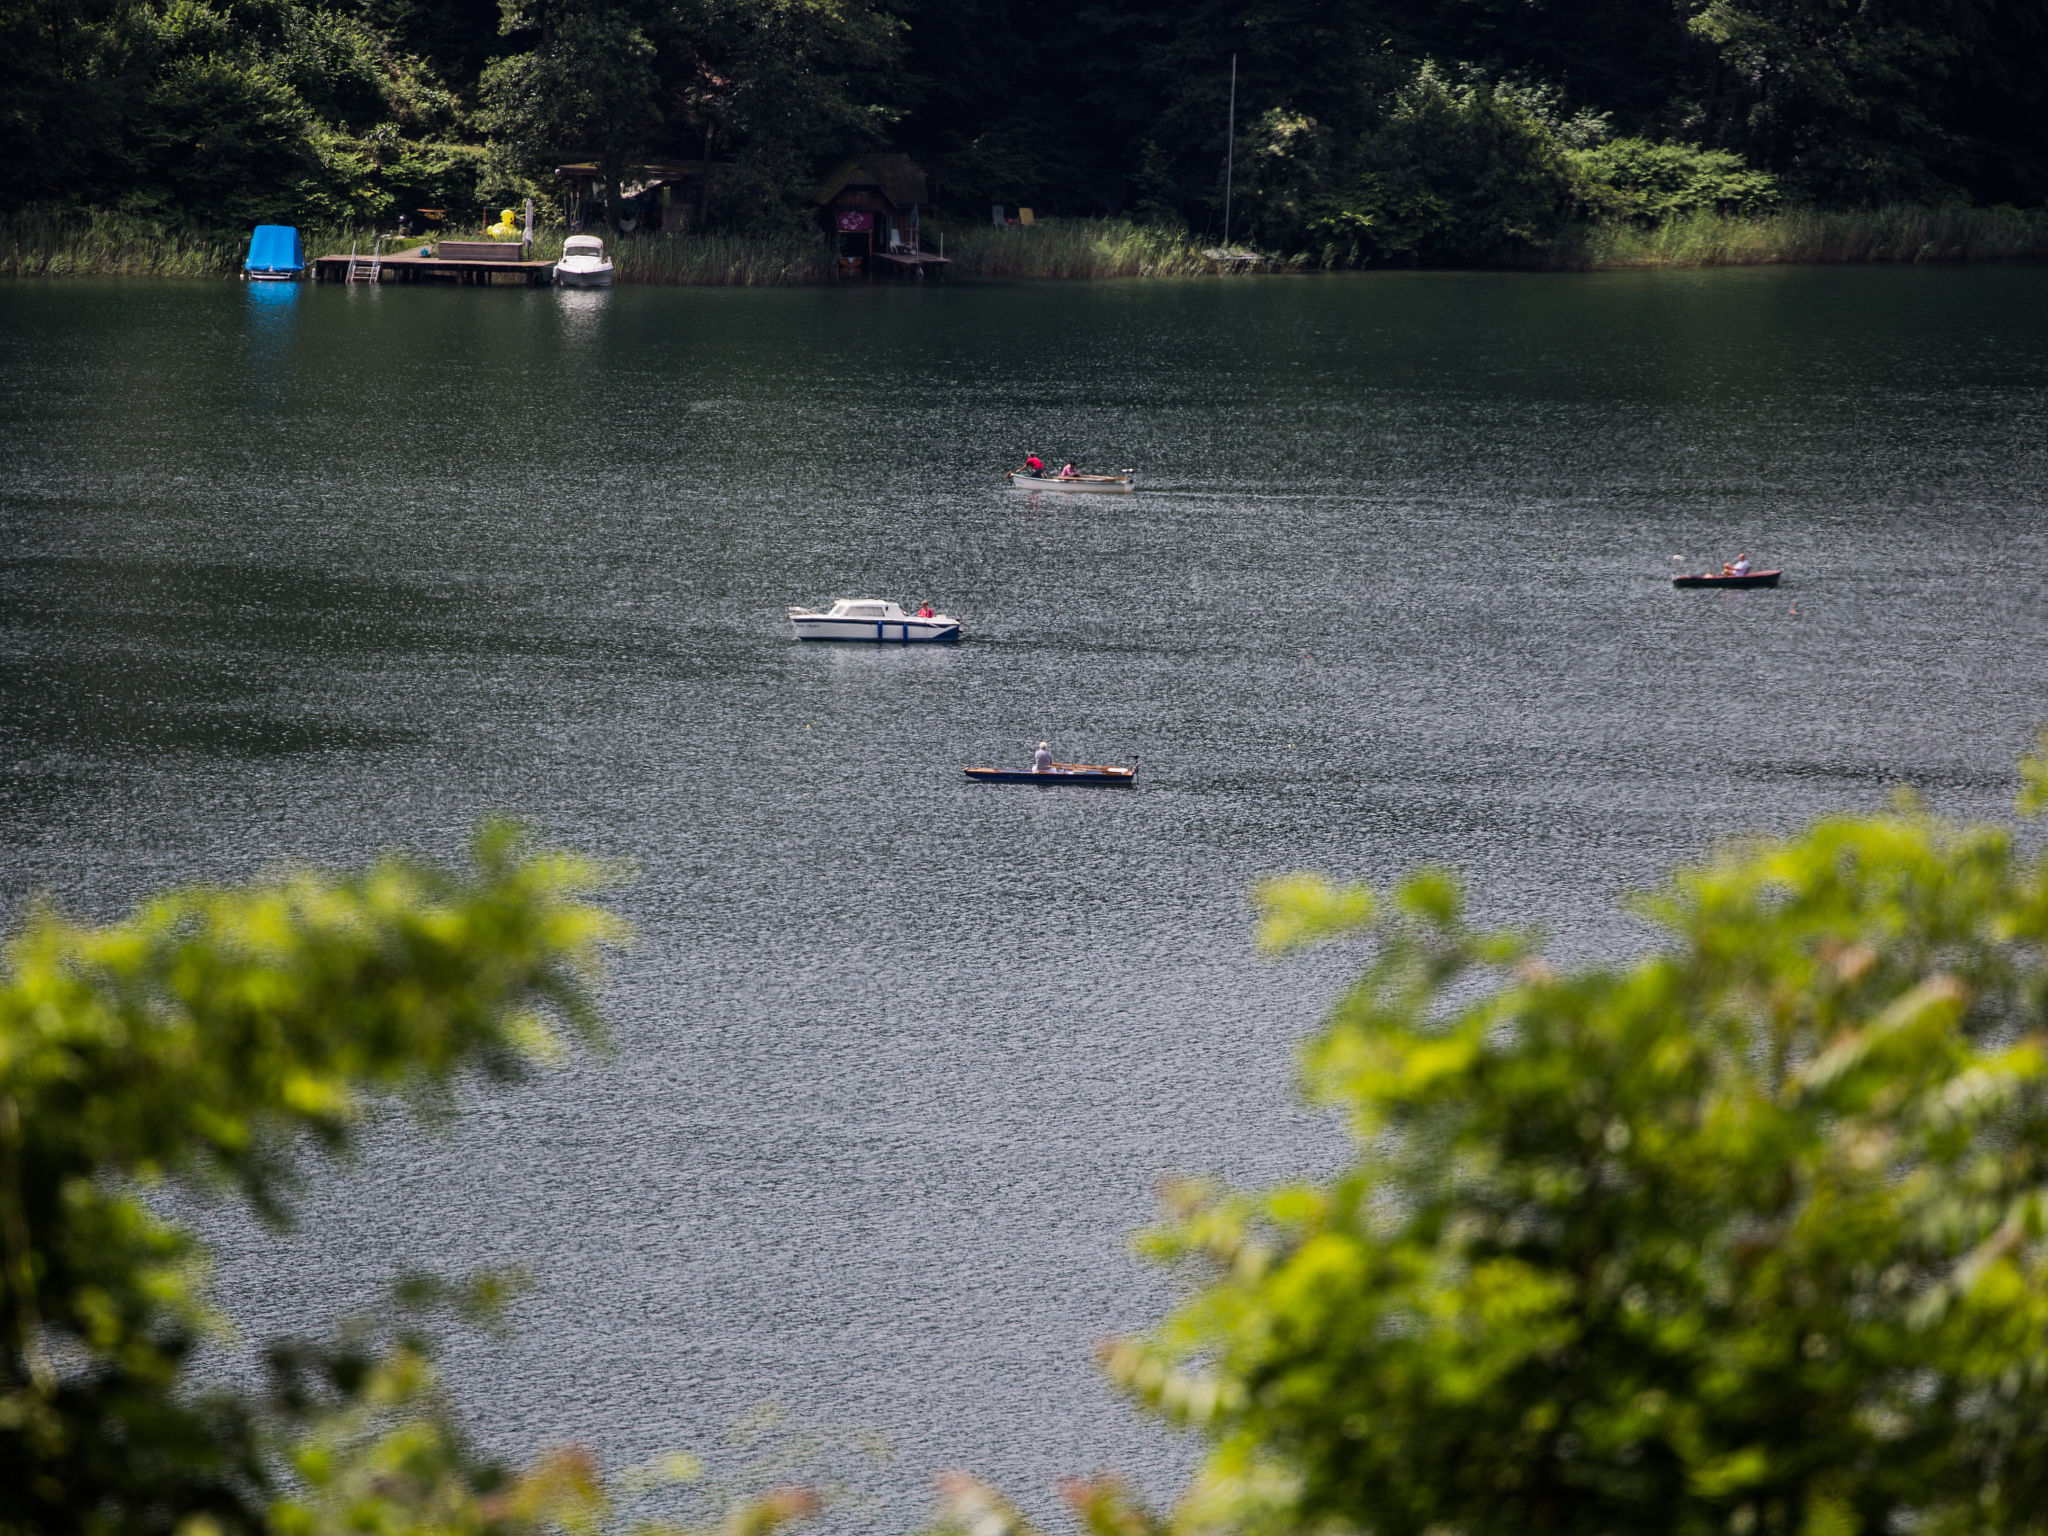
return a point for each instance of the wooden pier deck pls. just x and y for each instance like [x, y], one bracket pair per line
[914, 262]
[411, 267]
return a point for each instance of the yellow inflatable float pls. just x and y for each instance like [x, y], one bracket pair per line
[505, 228]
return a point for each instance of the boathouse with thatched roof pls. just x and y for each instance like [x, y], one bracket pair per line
[873, 206]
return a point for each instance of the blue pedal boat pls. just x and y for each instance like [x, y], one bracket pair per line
[276, 255]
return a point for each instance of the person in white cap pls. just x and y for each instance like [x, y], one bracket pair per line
[1042, 762]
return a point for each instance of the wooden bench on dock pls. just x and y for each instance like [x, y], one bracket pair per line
[479, 250]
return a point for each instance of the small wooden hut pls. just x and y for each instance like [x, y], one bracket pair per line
[873, 206]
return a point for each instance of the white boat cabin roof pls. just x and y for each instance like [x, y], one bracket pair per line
[579, 245]
[864, 608]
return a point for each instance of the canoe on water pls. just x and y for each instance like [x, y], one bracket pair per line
[1059, 773]
[1753, 579]
[1114, 485]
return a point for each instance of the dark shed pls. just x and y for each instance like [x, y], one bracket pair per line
[876, 203]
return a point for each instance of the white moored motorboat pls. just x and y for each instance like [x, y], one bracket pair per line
[863, 618]
[584, 263]
[1114, 485]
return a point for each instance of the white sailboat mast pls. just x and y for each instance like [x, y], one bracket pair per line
[1230, 152]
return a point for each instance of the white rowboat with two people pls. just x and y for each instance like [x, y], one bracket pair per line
[1121, 484]
[870, 619]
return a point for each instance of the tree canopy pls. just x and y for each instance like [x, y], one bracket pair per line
[1403, 129]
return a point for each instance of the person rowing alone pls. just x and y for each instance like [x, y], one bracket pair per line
[1041, 761]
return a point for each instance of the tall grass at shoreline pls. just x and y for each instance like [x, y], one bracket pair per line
[51, 243]
[722, 260]
[1075, 248]
[38, 242]
[1895, 233]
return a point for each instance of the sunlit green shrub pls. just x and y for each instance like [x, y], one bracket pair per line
[1651, 183]
[1455, 173]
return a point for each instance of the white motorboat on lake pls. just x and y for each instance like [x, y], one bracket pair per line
[866, 618]
[584, 263]
[1114, 485]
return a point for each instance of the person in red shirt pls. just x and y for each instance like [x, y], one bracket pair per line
[924, 611]
[1033, 464]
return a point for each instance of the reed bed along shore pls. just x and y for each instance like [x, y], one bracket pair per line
[1075, 248]
[723, 260]
[38, 242]
[1809, 236]
[49, 243]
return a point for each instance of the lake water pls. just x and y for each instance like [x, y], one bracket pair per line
[303, 574]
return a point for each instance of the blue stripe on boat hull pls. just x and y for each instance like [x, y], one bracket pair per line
[946, 639]
[1026, 776]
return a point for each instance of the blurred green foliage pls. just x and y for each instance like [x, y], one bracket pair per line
[211, 1042]
[1748, 1235]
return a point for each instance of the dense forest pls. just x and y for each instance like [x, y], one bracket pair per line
[1409, 130]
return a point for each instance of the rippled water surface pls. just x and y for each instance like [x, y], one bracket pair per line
[301, 574]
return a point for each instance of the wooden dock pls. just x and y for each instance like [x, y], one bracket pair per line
[411, 267]
[913, 262]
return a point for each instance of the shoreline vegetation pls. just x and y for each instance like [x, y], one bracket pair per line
[1896, 233]
[765, 140]
[44, 243]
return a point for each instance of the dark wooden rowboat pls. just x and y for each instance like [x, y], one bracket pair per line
[1060, 773]
[1753, 579]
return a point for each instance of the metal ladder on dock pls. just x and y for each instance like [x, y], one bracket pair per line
[366, 269]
